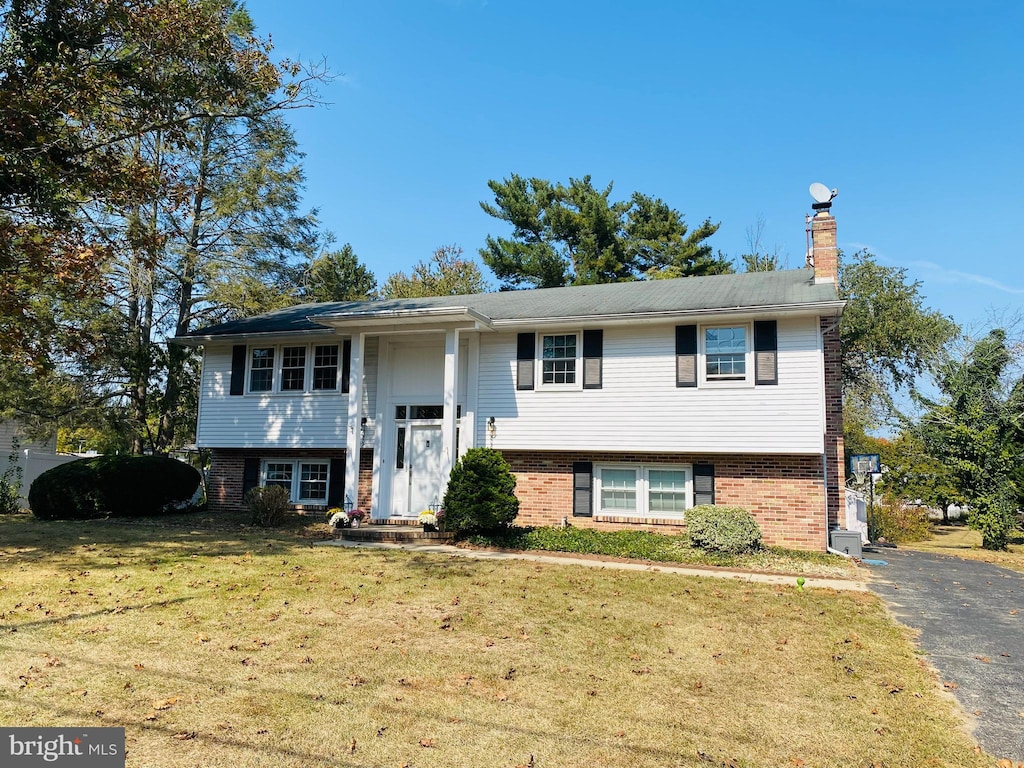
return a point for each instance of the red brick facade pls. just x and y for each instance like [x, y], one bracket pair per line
[824, 251]
[835, 460]
[227, 469]
[786, 494]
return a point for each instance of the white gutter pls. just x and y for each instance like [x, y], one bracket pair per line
[816, 308]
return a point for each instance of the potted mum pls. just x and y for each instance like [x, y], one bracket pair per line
[429, 520]
[355, 517]
[336, 518]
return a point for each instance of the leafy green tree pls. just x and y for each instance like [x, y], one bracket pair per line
[446, 274]
[576, 235]
[210, 226]
[974, 428]
[889, 337]
[80, 82]
[339, 276]
[913, 474]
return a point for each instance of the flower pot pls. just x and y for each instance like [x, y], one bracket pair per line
[355, 522]
[428, 528]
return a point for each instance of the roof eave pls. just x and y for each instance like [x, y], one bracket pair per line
[816, 308]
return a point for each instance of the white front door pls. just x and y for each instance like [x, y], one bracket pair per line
[417, 482]
[425, 481]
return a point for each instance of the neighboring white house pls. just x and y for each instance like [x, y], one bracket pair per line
[34, 456]
[617, 405]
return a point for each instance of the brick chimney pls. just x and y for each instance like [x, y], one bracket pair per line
[823, 254]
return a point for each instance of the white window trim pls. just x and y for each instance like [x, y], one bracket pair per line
[642, 490]
[702, 361]
[539, 384]
[277, 375]
[296, 464]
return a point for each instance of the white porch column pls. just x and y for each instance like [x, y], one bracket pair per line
[354, 433]
[451, 395]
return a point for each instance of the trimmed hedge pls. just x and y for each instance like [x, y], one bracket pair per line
[480, 495]
[113, 486]
[715, 528]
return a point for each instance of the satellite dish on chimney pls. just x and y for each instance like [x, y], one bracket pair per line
[823, 196]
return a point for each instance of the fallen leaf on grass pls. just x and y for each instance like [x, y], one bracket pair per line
[426, 743]
[184, 735]
[984, 659]
[527, 764]
[950, 686]
[161, 704]
[352, 747]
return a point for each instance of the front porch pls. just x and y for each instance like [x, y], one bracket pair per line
[393, 533]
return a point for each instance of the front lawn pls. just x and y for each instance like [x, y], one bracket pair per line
[247, 649]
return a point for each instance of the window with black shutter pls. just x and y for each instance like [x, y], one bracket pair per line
[703, 484]
[237, 369]
[686, 355]
[593, 353]
[526, 349]
[346, 364]
[766, 342]
[582, 489]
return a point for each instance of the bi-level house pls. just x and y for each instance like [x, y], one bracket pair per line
[618, 405]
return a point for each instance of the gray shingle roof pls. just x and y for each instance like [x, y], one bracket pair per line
[778, 291]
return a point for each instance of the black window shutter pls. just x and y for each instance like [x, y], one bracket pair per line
[686, 355]
[238, 369]
[593, 352]
[526, 350]
[703, 484]
[582, 489]
[346, 363]
[250, 475]
[336, 486]
[766, 343]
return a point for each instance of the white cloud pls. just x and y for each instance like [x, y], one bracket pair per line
[956, 276]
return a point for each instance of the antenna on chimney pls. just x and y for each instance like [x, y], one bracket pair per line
[823, 196]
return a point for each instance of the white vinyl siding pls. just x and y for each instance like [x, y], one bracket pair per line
[639, 407]
[316, 419]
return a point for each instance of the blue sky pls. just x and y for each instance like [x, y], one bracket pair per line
[914, 111]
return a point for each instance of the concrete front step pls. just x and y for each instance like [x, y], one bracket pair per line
[392, 533]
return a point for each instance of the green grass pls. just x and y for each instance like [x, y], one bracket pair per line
[654, 547]
[244, 648]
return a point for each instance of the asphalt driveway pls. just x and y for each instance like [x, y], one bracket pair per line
[971, 621]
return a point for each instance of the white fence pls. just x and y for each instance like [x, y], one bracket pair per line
[33, 463]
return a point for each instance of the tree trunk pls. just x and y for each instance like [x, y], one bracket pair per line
[177, 356]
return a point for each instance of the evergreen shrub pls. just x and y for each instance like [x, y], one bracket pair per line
[719, 528]
[113, 486]
[481, 493]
